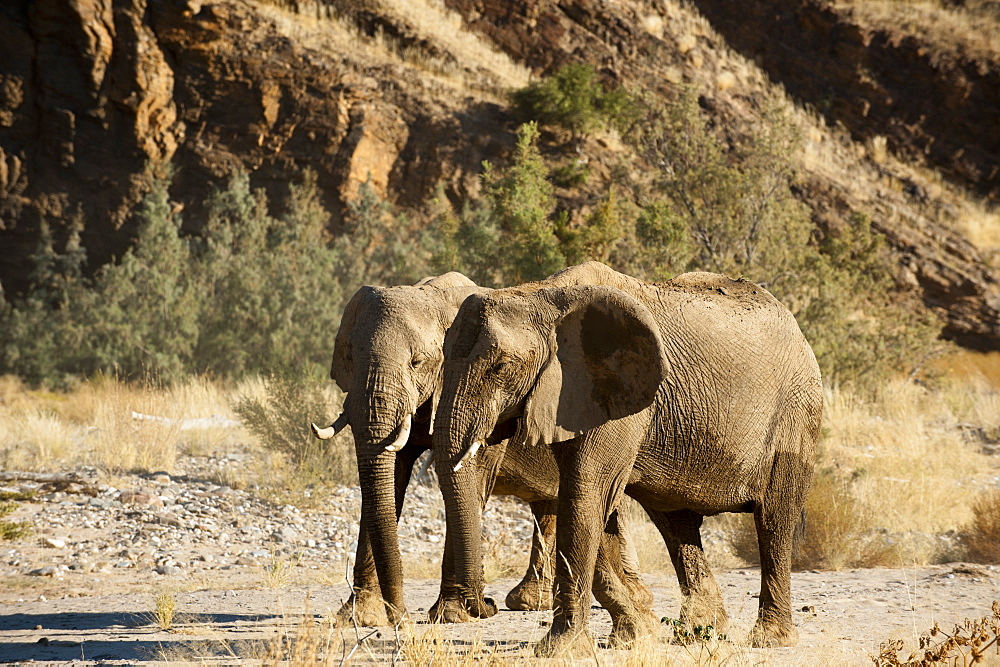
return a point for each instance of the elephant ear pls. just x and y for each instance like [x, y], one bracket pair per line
[342, 366]
[607, 362]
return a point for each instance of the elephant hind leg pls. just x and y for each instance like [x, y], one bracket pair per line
[777, 517]
[534, 593]
[622, 593]
[631, 574]
[702, 605]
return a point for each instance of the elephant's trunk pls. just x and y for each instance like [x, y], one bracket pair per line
[378, 509]
[381, 428]
[453, 441]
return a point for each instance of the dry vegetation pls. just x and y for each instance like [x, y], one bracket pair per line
[940, 24]
[94, 425]
[464, 61]
[899, 478]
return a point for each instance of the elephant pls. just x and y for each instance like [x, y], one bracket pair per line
[694, 397]
[387, 358]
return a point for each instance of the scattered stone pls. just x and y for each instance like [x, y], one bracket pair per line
[169, 519]
[168, 570]
[54, 542]
[139, 498]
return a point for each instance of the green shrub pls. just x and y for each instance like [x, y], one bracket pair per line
[12, 530]
[377, 245]
[573, 98]
[508, 236]
[520, 198]
[571, 175]
[251, 288]
[270, 286]
[731, 209]
[465, 241]
[280, 419]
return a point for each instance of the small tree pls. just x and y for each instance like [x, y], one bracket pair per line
[521, 200]
[377, 245]
[574, 98]
[465, 241]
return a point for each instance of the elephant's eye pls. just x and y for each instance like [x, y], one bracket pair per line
[502, 367]
[419, 360]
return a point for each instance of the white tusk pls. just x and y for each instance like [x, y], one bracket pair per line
[404, 435]
[331, 430]
[469, 453]
[426, 465]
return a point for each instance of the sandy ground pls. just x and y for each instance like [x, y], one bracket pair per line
[254, 582]
[842, 617]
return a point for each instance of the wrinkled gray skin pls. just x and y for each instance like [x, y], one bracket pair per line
[387, 358]
[694, 397]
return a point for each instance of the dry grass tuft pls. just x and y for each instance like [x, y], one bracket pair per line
[943, 26]
[164, 608]
[898, 475]
[36, 439]
[96, 424]
[313, 642]
[277, 571]
[458, 58]
[982, 536]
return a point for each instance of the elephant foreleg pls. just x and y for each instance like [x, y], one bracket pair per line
[451, 605]
[627, 600]
[534, 593]
[702, 604]
[590, 486]
[365, 605]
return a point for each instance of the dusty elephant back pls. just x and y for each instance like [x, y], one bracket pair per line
[742, 378]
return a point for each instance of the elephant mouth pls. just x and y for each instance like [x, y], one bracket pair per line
[504, 430]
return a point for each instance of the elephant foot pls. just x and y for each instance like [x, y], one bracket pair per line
[773, 635]
[364, 608]
[626, 629]
[530, 595]
[454, 610]
[568, 645]
[640, 594]
[702, 617]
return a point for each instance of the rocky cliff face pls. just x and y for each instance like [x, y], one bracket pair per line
[86, 99]
[97, 95]
[933, 105]
[94, 94]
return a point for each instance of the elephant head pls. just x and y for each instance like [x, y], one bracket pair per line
[387, 358]
[544, 363]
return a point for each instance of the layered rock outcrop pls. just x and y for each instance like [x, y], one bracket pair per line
[97, 96]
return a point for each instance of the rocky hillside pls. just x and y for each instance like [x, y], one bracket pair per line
[95, 97]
